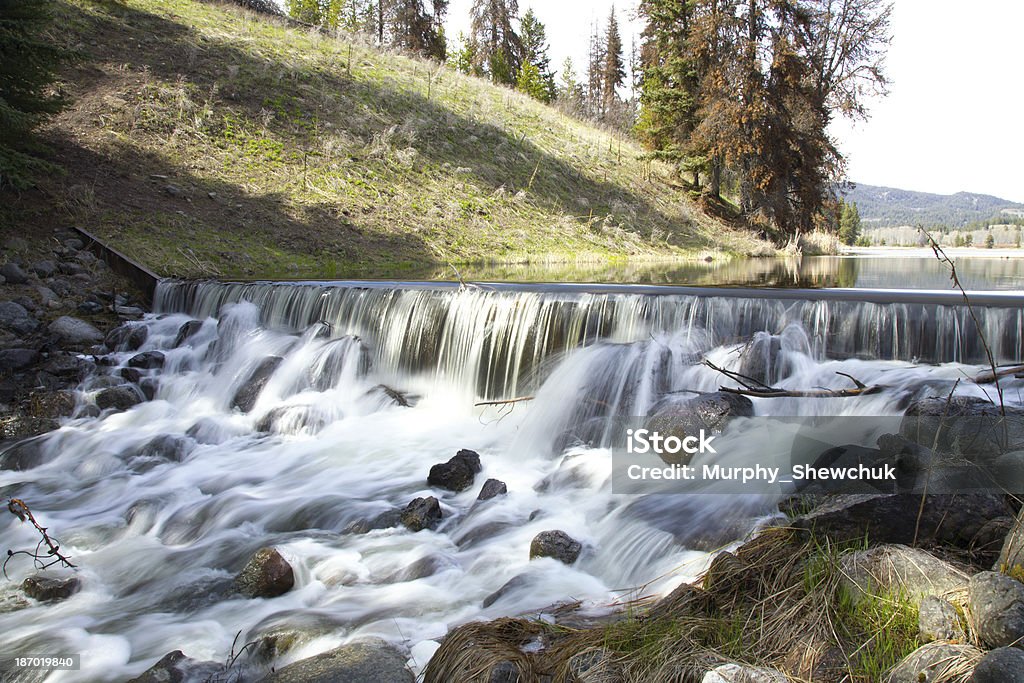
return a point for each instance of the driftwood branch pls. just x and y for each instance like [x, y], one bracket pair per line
[505, 401]
[766, 391]
[44, 558]
[989, 376]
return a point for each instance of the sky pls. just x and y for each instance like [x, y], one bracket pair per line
[954, 117]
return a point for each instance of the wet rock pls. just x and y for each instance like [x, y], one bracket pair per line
[126, 337]
[17, 359]
[119, 398]
[24, 455]
[292, 420]
[68, 366]
[897, 569]
[515, 583]
[937, 620]
[466, 538]
[458, 473]
[50, 589]
[492, 488]
[736, 673]
[148, 360]
[369, 661]
[53, 404]
[966, 426]
[681, 417]
[384, 520]
[266, 575]
[902, 518]
[44, 268]
[1002, 665]
[129, 311]
[246, 396]
[15, 318]
[421, 513]
[186, 332]
[131, 374]
[555, 544]
[75, 330]
[344, 358]
[996, 605]
[149, 386]
[90, 307]
[175, 667]
[421, 568]
[167, 447]
[927, 662]
[13, 273]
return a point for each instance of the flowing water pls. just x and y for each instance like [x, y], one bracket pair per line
[159, 533]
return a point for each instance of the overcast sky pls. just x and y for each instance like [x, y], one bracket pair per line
[954, 118]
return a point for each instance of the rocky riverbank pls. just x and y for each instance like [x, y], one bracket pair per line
[57, 304]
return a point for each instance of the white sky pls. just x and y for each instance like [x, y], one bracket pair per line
[954, 117]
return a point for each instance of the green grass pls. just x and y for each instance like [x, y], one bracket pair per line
[295, 154]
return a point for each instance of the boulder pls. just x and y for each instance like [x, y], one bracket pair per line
[555, 544]
[175, 667]
[266, 575]
[119, 398]
[17, 359]
[458, 473]
[44, 268]
[75, 331]
[965, 426]
[167, 447]
[131, 374]
[368, 661]
[15, 318]
[247, 395]
[932, 662]
[1002, 665]
[681, 417]
[293, 420]
[73, 243]
[901, 518]
[68, 366]
[50, 589]
[148, 360]
[13, 273]
[126, 337]
[71, 268]
[996, 604]
[186, 332]
[937, 619]
[421, 513]
[736, 673]
[492, 488]
[898, 570]
[25, 455]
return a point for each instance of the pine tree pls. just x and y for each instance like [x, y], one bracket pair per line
[535, 52]
[849, 223]
[29, 60]
[570, 94]
[412, 28]
[594, 105]
[613, 72]
[497, 49]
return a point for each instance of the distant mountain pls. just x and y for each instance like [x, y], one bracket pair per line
[882, 207]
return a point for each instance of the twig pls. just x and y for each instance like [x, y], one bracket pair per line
[19, 509]
[505, 401]
[748, 382]
[814, 393]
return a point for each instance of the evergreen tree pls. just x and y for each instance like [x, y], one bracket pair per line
[414, 29]
[535, 52]
[497, 49]
[990, 241]
[570, 93]
[613, 72]
[594, 106]
[849, 223]
[29, 60]
[462, 58]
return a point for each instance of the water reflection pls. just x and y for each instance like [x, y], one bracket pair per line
[872, 272]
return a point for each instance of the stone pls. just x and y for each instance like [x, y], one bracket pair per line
[129, 311]
[44, 268]
[17, 359]
[148, 360]
[682, 417]
[597, 665]
[15, 318]
[736, 673]
[249, 392]
[53, 404]
[458, 473]
[1002, 665]
[13, 273]
[119, 398]
[901, 518]
[505, 671]
[133, 375]
[937, 619]
[515, 583]
[46, 295]
[186, 332]
[75, 330]
[423, 567]
[293, 419]
[90, 307]
[73, 243]
[72, 268]
[50, 589]
[175, 667]
[421, 513]
[557, 545]
[1012, 553]
[898, 570]
[167, 447]
[996, 604]
[492, 488]
[966, 426]
[68, 366]
[367, 661]
[266, 575]
[25, 455]
[929, 662]
[126, 337]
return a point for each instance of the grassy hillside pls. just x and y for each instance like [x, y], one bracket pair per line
[205, 139]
